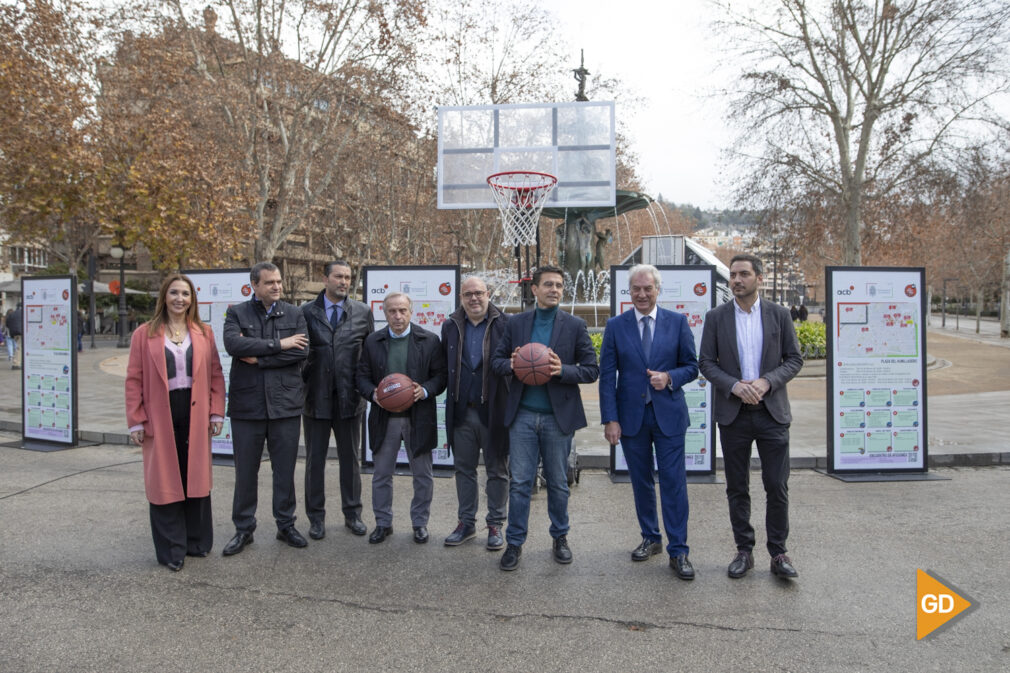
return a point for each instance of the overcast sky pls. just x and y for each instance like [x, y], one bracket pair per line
[661, 50]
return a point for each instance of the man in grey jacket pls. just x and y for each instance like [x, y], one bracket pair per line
[749, 352]
[267, 340]
[337, 327]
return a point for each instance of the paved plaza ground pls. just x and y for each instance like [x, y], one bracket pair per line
[81, 591]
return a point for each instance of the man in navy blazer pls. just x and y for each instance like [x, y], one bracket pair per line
[647, 357]
[542, 419]
[751, 406]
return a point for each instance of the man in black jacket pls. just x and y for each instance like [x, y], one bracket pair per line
[403, 348]
[475, 411]
[267, 340]
[337, 328]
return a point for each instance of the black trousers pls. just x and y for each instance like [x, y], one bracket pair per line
[772, 440]
[317, 443]
[281, 438]
[184, 527]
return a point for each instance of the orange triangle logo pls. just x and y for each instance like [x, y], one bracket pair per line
[937, 604]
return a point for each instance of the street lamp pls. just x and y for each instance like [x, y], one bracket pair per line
[119, 252]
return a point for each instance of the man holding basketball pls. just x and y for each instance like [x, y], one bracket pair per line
[403, 348]
[647, 356]
[542, 419]
[475, 411]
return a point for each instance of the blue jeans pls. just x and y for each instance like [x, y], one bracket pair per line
[533, 436]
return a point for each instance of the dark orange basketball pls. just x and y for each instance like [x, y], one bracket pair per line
[395, 393]
[532, 364]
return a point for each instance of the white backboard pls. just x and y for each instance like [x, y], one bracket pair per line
[572, 141]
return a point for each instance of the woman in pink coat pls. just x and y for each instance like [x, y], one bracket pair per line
[174, 403]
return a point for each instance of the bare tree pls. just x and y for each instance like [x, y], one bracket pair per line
[483, 52]
[850, 99]
[295, 82]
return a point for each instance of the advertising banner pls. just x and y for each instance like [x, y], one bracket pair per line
[49, 362]
[434, 291]
[876, 374]
[215, 292]
[690, 291]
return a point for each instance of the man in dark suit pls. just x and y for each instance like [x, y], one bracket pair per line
[405, 348]
[267, 341]
[647, 356]
[337, 327]
[749, 353]
[542, 419]
[475, 411]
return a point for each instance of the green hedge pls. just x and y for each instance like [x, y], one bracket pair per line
[813, 340]
[597, 338]
[811, 335]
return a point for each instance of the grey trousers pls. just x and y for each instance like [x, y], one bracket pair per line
[469, 437]
[382, 478]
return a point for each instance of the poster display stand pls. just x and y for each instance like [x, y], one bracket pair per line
[216, 290]
[690, 291]
[434, 291]
[49, 364]
[876, 373]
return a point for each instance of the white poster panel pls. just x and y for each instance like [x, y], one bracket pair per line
[434, 292]
[215, 292]
[48, 342]
[690, 291]
[876, 341]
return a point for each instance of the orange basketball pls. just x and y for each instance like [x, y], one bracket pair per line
[395, 392]
[532, 364]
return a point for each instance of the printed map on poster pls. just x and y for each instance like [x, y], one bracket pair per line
[877, 329]
[47, 327]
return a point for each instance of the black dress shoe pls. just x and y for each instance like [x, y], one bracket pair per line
[175, 566]
[198, 554]
[379, 534]
[420, 534]
[510, 559]
[356, 525]
[317, 530]
[292, 537]
[783, 567]
[562, 554]
[646, 550]
[739, 566]
[237, 543]
[682, 567]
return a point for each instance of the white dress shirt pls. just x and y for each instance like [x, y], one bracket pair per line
[749, 340]
[641, 325]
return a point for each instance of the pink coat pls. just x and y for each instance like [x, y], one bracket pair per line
[147, 404]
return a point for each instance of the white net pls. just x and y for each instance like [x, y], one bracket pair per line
[520, 196]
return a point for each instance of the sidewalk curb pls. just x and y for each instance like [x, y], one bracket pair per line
[598, 462]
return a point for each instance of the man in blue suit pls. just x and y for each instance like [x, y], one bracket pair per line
[648, 355]
[542, 419]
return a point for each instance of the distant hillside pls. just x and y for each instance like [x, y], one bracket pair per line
[717, 219]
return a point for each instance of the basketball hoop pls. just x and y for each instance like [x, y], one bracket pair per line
[520, 196]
